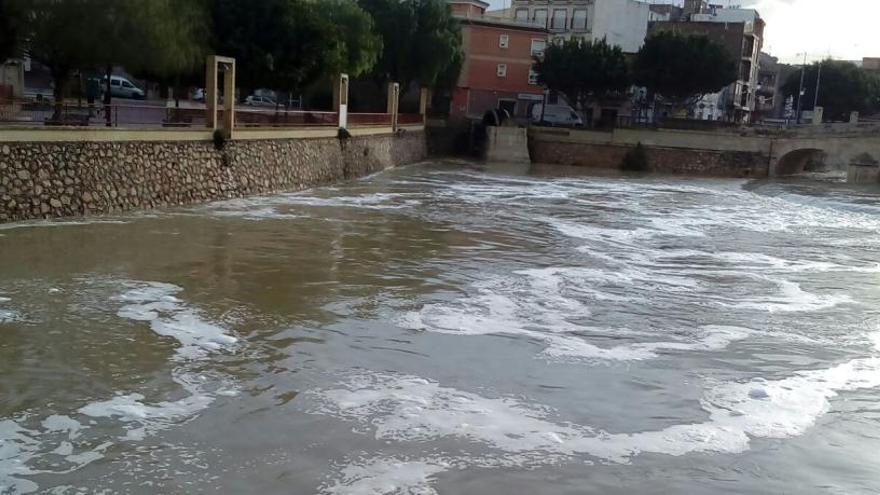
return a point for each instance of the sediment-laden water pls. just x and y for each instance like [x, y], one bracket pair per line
[445, 329]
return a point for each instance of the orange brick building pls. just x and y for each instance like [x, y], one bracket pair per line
[499, 55]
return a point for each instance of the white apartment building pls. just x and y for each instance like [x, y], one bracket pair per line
[623, 23]
[746, 90]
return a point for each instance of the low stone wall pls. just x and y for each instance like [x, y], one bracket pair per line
[507, 145]
[45, 180]
[664, 160]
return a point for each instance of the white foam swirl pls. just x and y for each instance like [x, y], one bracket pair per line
[404, 408]
[64, 437]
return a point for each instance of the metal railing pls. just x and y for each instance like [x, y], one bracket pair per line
[141, 115]
[370, 119]
[44, 112]
[410, 119]
[254, 117]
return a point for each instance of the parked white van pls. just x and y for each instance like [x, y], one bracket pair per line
[121, 87]
[556, 115]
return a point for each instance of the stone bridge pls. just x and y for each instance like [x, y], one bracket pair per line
[749, 152]
[796, 154]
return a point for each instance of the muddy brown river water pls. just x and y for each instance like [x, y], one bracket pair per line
[445, 329]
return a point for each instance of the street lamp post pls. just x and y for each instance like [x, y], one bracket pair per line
[818, 85]
[801, 90]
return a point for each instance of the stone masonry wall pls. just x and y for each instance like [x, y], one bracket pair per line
[665, 160]
[45, 180]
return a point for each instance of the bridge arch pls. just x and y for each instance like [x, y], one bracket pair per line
[801, 160]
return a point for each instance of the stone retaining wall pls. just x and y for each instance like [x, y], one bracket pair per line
[665, 160]
[45, 180]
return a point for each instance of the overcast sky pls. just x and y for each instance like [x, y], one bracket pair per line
[845, 29]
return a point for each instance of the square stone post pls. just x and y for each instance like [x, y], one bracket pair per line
[854, 119]
[392, 106]
[818, 115]
[211, 91]
[424, 99]
[229, 101]
[212, 67]
[340, 100]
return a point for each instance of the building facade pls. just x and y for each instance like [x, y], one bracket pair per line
[622, 23]
[741, 32]
[499, 57]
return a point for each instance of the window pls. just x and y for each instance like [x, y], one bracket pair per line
[126, 84]
[501, 70]
[540, 17]
[559, 19]
[522, 15]
[503, 41]
[115, 82]
[533, 77]
[538, 47]
[579, 20]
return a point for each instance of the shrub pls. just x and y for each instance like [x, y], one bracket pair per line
[219, 139]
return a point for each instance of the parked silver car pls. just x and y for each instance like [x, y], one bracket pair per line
[260, 101]
[121, 87]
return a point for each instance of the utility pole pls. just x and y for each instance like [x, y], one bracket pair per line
[801, 90]
[818, 85]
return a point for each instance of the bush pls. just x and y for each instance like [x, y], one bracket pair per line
[219, 139]
[636, 159]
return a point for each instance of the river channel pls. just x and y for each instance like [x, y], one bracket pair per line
[446, 329]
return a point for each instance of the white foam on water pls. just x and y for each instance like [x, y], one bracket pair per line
[156, 303]
[410, 408]
[375, 201]
[277, 207]
[545, 305]
[713, 338]
[386, 476]
[404, 408]
[264, 213]
[59, 223]
[143, 419]
[7, 315]
[65, 424]
[597, 233]
[136, 418]
[16, 449]
[790, 298]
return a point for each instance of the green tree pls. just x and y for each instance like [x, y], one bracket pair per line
[181, 44]
[683, 68]
[421, 39]
[358, 46]
[56, 34]
[66, 35]
[583, 71]
[844, 88]
[280, 44]
[9, 30]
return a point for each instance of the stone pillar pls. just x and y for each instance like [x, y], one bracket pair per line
[424, 99]
[211, 91]
[229, 101]
[818, 115]
[340, 99]
[212, 67]
[854, 118]
[393, 103]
